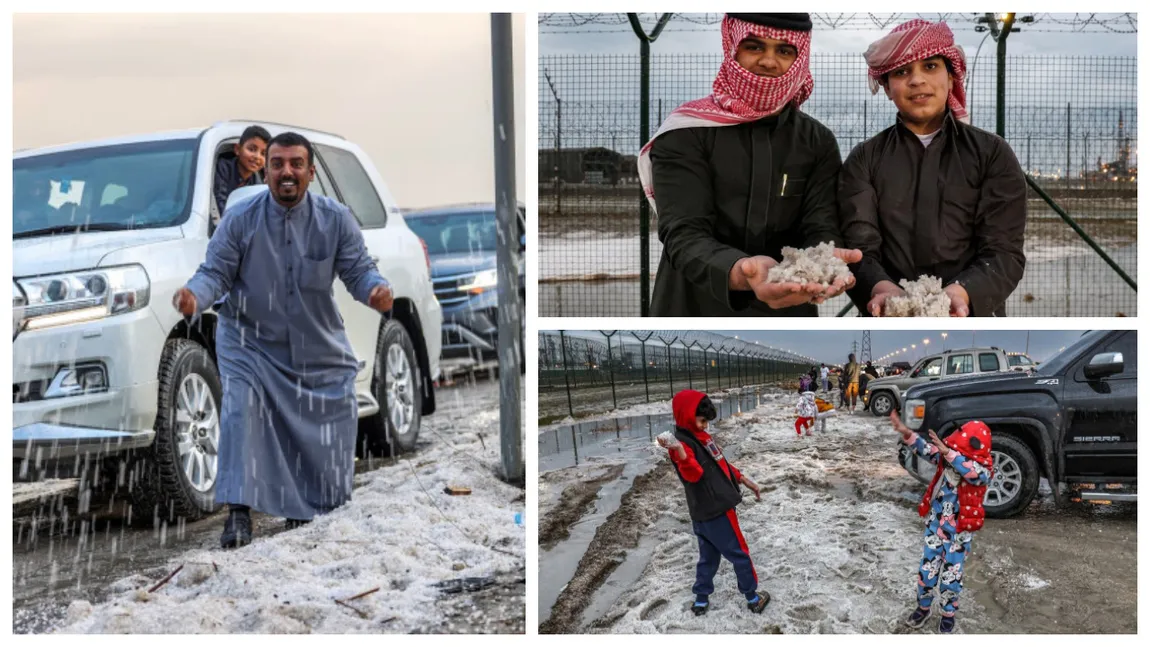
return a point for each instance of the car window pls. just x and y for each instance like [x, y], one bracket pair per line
[930, 368]
[987, 362]
[319, 186]
[355, 187]
[1127, 344]
[129, 185]
[959, 364]
[466, 232]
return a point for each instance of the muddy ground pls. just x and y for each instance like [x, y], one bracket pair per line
[836, 541]
[55, 559]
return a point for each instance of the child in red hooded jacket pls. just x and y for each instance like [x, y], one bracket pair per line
[711, 484]
[953, 507]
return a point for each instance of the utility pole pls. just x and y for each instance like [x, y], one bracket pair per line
[865, 356]
[507, 254]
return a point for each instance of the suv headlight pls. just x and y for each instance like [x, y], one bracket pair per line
[481, 281]
[914, 413]
[62, 299]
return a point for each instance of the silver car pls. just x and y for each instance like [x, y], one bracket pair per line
[884, 394]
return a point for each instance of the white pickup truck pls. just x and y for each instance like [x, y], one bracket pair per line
[110, 383]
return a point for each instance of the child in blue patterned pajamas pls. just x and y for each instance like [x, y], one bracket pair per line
[953, 507]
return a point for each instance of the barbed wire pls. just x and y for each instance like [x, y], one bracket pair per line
[697, 339]
[1117, 23]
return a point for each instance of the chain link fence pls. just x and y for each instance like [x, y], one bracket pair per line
[583, 372]
[1071, 120]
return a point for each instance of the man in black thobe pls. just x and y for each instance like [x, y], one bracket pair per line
[738, 175]
[932, 195]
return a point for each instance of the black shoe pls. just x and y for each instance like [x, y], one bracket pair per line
[700, 608]
[946, 625]
[237, 528]
[918, 618]
[292, 524]
[760, 602]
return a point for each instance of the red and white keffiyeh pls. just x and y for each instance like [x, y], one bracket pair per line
[916, 40]
[738, 95]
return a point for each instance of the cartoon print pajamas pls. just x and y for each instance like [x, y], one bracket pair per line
[944, 548]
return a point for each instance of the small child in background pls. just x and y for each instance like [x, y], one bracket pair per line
[807, 410]
[804, 383]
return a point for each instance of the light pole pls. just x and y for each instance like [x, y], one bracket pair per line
[944, 341]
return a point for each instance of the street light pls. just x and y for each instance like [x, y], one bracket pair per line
[944, 341]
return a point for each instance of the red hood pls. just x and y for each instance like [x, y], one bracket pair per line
[684, 404]
[960, 442]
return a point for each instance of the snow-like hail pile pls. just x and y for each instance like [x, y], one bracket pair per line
[836, 539]
[812, 265]
[924, 298]
[389, 536]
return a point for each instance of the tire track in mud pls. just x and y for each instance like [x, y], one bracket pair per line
[621, 531]
[575, 501]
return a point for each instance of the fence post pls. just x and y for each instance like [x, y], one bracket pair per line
[706, 382]
[611, 368]
[1000, 99]
[670, 373]
[566, 379]
[690, 378]
[1068, 140]
[645, 41]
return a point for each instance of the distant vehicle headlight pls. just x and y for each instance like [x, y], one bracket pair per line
[62, 299]
[482, 281]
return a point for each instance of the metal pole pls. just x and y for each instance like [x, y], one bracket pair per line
[646, 386]
[507, 255]
[706, 381]
[1068, 148]
[670, 376]
[645, 41]
[690, 378]
[1000, 109]
[611, 371]
[566, 378]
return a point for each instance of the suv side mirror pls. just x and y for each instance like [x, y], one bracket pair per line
[1104, 365]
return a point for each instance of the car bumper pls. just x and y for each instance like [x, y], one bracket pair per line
[121, 417]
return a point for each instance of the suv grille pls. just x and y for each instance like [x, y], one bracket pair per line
[447, 288]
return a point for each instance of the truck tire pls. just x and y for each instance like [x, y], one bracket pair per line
[1015, 478]
[169, 484]
[398, 387]
[882, 403]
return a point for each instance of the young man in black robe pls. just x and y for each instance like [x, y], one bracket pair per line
[736, 176]
[932, 195]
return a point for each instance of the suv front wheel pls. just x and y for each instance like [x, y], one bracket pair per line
[1014, 480]
[397, 387]
[177, 474]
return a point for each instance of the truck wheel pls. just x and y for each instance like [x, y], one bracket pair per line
[1015, 479]
[176, 476]
[881, 404]
[397, 386]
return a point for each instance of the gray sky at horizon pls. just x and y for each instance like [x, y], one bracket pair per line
[833, 346]
[413, 90]
[686, 37]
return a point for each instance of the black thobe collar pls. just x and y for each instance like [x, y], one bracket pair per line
[949, 123]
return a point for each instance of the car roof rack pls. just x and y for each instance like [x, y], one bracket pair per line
[276, 123]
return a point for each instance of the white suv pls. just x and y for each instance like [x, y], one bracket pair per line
[111, 385]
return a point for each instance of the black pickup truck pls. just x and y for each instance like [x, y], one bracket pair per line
[1073, 420]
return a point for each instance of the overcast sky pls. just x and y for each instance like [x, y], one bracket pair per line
[705, 39]
[833, 346]
[413, 90]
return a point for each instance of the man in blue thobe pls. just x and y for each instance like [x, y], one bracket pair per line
[288, 420]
